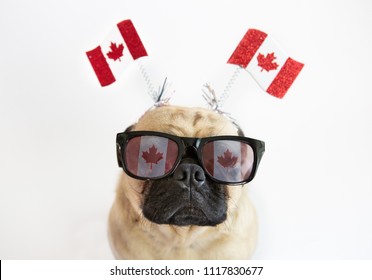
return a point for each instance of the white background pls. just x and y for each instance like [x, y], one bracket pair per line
[313, 191]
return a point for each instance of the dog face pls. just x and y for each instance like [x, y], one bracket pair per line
[183, 214]
[188, 196]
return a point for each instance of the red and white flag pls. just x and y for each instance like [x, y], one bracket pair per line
[272, 69]
[149, 156]
[122, 46]
[228, 160]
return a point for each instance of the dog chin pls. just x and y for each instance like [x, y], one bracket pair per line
[173, 203]
[191, 216]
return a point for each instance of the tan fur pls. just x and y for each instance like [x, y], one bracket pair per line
[134, 237]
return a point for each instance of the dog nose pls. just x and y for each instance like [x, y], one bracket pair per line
[189, 173]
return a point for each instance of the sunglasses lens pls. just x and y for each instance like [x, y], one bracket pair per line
[228, 160]
[150, 156]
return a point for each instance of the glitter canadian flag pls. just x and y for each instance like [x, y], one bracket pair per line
[121, 46]
[272, 69]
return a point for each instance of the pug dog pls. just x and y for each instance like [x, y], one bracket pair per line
[170, 202]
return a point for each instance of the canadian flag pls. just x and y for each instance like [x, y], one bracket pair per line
[272, 69]
[122, 46]
[149, 156]
[228, 160]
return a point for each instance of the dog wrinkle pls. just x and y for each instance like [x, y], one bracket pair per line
[175, 130]
[179, 113]
[197, 117]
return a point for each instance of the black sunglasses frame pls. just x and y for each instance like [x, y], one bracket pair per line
[183, 143]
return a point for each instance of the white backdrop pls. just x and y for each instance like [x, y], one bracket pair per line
[313, 191]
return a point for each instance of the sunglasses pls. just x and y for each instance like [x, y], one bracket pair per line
[156, 155]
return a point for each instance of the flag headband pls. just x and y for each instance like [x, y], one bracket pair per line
[257, 53]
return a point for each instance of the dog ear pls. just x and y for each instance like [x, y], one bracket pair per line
[129, 128]
[240, 131]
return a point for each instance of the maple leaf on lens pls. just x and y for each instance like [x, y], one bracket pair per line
[227, 160]
[152, 156]
[116, 51]
[266, 62]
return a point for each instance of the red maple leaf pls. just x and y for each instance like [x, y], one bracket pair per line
[116, 51]
[266, 62]
[152, 156]
[227, 160]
